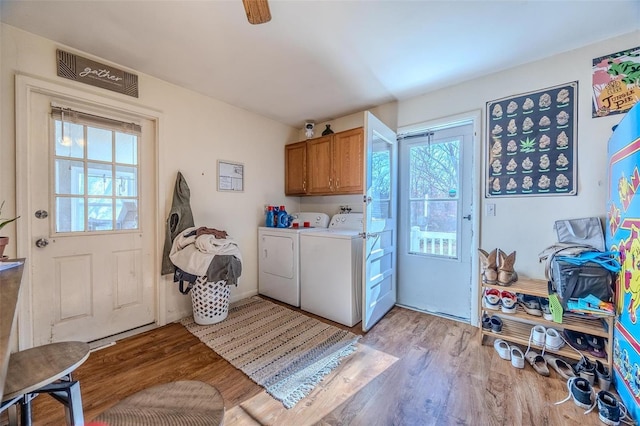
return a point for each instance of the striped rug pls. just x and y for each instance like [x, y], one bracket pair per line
[282, 350]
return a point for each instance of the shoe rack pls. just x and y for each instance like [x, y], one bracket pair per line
[516, 327]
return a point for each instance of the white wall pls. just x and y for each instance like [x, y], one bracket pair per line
[526, 224]
[195, 132]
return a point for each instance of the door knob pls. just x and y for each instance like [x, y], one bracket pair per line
[42, 242]
[42, 214]
[468, 217]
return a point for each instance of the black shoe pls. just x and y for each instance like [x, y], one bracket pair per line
[581, 391]
[486, 322]
[586, 369]
[603, 375]
[609, 409]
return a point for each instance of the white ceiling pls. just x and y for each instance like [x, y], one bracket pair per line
[322, 59]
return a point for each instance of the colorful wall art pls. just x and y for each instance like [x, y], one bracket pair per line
[531, 143]
[616, 82]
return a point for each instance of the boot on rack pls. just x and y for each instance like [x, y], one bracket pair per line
[506, 274]
[489, 266]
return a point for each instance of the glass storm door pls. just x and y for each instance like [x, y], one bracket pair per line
[435, 223]
[379, 263]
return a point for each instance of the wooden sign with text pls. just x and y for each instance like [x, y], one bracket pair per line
[85, 70]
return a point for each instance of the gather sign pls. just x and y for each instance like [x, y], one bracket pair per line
[85, 70]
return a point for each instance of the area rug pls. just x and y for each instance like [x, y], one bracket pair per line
[284, 351]
[365, 365]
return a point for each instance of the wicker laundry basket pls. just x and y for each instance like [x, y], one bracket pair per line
[210, 301]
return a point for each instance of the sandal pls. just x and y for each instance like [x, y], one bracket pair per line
[596, 346]
[576, 339]
[503, 349]
[517, 357]
[538, 362]
[560, 365]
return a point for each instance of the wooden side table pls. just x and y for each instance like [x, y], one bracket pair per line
[46, 369]
[186, 402]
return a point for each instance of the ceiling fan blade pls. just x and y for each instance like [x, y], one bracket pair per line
[257, 11]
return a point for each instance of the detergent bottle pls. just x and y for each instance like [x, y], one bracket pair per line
[283, 218]
[270, 219]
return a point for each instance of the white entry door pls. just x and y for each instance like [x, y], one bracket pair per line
[379, 256]
[92, 197]
[435, 238]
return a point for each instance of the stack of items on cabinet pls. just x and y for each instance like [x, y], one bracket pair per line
[564, 323]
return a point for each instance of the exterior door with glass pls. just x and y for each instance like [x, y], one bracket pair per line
[435, 238]
[92, 259]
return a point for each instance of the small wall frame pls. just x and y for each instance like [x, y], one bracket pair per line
[230, 176]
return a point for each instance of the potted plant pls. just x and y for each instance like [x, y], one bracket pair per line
[4, 240]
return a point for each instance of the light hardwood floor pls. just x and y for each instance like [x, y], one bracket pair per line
[441, 377]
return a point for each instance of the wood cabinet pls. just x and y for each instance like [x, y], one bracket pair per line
[348, 161]
[295, 169]
[516, 327]
[334, 165]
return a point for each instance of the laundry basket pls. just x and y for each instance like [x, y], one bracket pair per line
[210, 301]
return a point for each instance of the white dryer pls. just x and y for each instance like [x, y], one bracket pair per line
[331, 270]
[279, 257]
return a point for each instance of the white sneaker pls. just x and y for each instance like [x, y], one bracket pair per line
[538, 335]
[491, 299]
[517, 357]
[553, 339]
[502, 348]
[509, 302]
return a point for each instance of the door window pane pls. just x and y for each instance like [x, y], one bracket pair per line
[126, 181]
[99, 144]
[381, 179]
[69, 177]
[99, 181]
[69, 214]
[126, 148]
[127, 214]
[434, 227]
[434, 201]
[100, 214]
[69, 143]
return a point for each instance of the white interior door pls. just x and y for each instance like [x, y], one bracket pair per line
[92, 196]
[379, 257]
[435, 238]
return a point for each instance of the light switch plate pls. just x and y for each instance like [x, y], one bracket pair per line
[491, 209]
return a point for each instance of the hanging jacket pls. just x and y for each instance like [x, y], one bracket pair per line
[180, 218]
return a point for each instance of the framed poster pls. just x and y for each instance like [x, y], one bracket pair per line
[531, 143]
[230, 176]
[616, 82]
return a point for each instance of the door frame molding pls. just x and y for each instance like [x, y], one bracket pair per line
[25, 87]
[475, 116]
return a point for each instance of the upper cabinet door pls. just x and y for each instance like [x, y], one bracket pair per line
[348, 161]
[319, 153]
[295, 169]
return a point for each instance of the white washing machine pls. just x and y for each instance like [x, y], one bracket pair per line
[331, 270]
[279, 257]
